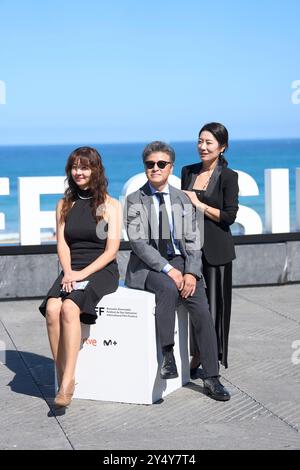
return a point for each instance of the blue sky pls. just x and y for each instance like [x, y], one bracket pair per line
[128, 71]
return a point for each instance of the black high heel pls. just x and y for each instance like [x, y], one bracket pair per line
[196, 359]
[194, 371]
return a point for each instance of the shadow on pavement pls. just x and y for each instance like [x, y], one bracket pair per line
[34, 374]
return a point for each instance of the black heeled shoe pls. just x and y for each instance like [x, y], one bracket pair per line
[194, 371]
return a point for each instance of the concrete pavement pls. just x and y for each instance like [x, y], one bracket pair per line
[263, 378]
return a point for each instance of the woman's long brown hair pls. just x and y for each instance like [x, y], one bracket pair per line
[89, 157]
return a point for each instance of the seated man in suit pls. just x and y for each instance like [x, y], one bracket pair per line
[166, 260]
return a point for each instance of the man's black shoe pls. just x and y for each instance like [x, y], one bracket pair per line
[214, 389]
[168, 369]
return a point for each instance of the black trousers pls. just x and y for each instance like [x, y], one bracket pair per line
[167, 297]
[219, 289]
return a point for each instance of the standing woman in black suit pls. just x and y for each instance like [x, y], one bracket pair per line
[213, 189]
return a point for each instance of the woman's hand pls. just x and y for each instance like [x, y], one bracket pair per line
[195, 201]
[69, 279]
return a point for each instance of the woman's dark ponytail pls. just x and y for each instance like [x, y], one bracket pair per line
[223, 160]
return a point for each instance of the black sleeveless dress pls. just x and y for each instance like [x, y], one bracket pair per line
[85, 247]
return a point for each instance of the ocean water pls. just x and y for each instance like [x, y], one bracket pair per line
[122, 161]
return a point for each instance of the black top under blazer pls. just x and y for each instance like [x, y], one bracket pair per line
[221, 193]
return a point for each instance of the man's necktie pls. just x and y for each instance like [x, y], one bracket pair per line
[165, 245]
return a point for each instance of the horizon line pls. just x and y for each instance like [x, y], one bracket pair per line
[139, 142]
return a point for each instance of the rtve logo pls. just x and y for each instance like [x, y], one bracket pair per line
[99, 311]
[109, 342]
[89, 341]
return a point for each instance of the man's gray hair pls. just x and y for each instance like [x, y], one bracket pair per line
[158, 146]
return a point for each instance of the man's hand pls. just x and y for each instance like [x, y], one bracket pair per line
[177, 277]
[189, 286]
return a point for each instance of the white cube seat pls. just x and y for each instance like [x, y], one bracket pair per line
[120, 355]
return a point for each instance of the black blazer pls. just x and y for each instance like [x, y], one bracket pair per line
[221, 193]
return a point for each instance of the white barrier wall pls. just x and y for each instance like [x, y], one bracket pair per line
[120, 356]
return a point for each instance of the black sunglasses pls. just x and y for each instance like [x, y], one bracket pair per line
[161, 164]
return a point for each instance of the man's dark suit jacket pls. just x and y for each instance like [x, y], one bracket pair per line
[221, 193]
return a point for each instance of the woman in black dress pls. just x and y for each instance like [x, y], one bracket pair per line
[88, 239]
[213, 189]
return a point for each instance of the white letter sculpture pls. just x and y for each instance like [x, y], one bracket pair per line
[247, 217]
[277, 200]
[32, 219]
[4, 191]
[297, 198]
